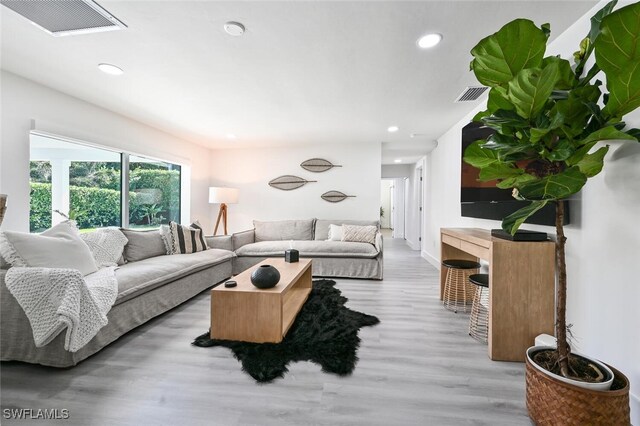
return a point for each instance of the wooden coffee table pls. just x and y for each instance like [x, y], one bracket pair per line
[250, 314]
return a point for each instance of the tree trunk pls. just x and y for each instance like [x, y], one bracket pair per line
[561, 302]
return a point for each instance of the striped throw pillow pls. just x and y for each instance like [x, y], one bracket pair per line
[187, 239]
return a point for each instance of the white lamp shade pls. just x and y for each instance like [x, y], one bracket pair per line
[219, 195]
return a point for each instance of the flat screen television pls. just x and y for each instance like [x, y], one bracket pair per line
[486, 201]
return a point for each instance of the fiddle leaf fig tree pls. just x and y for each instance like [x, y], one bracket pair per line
[549, 115]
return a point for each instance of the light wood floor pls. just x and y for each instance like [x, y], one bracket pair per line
[417, 367]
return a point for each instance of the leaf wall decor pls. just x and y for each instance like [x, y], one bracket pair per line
[317, 165]
[335, 196]
[289, 182]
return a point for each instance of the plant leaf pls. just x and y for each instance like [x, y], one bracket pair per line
[587, 44]
[566, 78]
[517, 153]
[499, 171]
[516, 181]
[563, 150]
[497, 139]
[512, 222]
[618, 44]
[538, 134]
[605, 134]
[478, 157]
[574, 111]
[580, 153]
[634, 133]
[531, 88]
[624, 91]
[618, 55]
[499, 57]
[555, 187]
[498, 99]
[591, 164]
[502, 118]
[596, 19]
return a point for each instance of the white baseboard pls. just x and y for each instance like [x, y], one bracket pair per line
[432, 260]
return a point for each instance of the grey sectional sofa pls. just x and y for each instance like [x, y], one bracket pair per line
[309, 237]
[149, 284]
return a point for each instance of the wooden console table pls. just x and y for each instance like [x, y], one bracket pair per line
[521, 286]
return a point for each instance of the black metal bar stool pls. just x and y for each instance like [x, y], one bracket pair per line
[479, 318]
[458, 292]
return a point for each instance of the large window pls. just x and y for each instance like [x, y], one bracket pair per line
[85, 183]
[156, 186]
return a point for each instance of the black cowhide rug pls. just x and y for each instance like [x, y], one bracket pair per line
[325, 332]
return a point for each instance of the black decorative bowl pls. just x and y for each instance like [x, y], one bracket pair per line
[265, 276]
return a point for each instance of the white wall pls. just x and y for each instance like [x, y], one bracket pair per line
[55, 112]
[396, 170]
[603, 239]
[250, 170]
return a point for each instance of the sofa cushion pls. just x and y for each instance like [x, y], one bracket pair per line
[309, 249]
[57, 247]
[143, 244]
[284, 230]
[139, 277]
[322, 226]
[106, 245]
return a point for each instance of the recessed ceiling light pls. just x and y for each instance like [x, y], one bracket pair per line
[235, 29]
[392, 129]
[429, 40]
[231, 136]
[110, 69]
[398, 160]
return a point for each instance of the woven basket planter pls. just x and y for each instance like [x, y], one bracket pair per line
[552, 402]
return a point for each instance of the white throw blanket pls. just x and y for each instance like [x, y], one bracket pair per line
[55, 298]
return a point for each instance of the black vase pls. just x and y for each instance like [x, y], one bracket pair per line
[265, 276]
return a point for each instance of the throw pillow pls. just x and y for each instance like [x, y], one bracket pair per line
[335, 233]
[187, 239]
[196, 225]
[142, 244]
[167, 239]
[106, 245]
[360, 234]
[57, 247]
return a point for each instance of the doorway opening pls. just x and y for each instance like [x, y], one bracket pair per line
[392, 209]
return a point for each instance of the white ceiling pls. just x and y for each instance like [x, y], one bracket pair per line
[303, 73]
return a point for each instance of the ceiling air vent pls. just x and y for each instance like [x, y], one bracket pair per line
[66, 17]
[471, 93]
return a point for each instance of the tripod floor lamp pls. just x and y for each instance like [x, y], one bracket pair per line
[222, 196]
